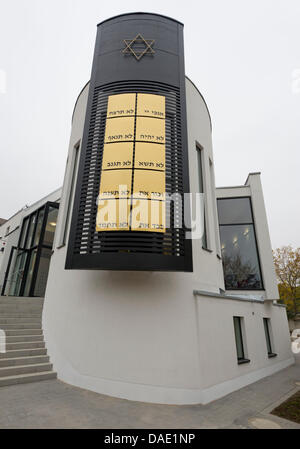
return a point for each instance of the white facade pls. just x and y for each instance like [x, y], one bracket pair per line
[159, 336]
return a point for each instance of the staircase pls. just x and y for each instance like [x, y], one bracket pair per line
[25, 359]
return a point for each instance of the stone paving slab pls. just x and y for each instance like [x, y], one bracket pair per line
[55, 404]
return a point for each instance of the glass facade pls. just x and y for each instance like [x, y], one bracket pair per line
[50, 226]
[238, 245]
[38, 230]
[28, 265]
[31, 229]
[19, 258]
[42, 273]
[24, 232]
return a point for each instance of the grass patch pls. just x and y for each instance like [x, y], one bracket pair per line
[289, 409]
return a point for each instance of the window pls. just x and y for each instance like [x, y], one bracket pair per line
[267, 325]
[42, 273]
[50, 226]
[234, 211]
[70, 191]
[238, 245]
[237, 322]
[201, 190]
[38, 227]
[28, 265]
[213, 191]
[31, 230]
[24, 233]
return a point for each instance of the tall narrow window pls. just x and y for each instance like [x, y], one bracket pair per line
[237, 321]
[213, 193]
[268, 337]
[238, 244]
[201, 190]
[69, 196]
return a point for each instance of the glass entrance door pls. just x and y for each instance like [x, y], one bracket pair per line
[15, 272]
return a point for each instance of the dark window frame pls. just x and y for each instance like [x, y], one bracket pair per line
[237, 198]
[33, 247]
[243, 359]
[255, 240]
[66, 220]
[200, 166]
[266, 323]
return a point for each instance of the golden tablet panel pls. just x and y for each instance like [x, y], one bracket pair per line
[150, 129]
[149, 184]
[149, 156]
[121, 105]
[148, 216]
[113, 215]
[117, 155]
[151, 105]
[119, 129]
[115, 183]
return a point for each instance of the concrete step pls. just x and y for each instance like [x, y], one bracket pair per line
[28, 345]
[24, 338]
[22, 353]
[26, 378]
[20, 315]
[21, 300]
[24, 369]
[31, 360]
[8, 308]
[16, 332]
[19, 320]
[20, 326]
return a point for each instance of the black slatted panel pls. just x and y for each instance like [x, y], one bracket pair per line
[87, 240]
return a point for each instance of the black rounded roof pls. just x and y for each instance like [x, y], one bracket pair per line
[139, 13]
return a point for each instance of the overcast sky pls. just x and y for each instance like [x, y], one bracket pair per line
[243, 55]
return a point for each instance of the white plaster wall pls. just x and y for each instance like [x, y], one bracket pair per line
[217, 349]
[207, 264]
[263, 235]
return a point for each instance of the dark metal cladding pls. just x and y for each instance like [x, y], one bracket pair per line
[114, 71]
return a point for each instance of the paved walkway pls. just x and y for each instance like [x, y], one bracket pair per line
[54, 404]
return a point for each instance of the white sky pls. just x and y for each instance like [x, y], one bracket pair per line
[243, 55]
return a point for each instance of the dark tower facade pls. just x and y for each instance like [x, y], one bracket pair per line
[135, 135]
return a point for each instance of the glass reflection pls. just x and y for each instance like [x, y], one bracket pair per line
[50, 226]
[240, 259]
[38, 227]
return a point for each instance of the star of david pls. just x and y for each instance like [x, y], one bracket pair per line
[138, 46]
